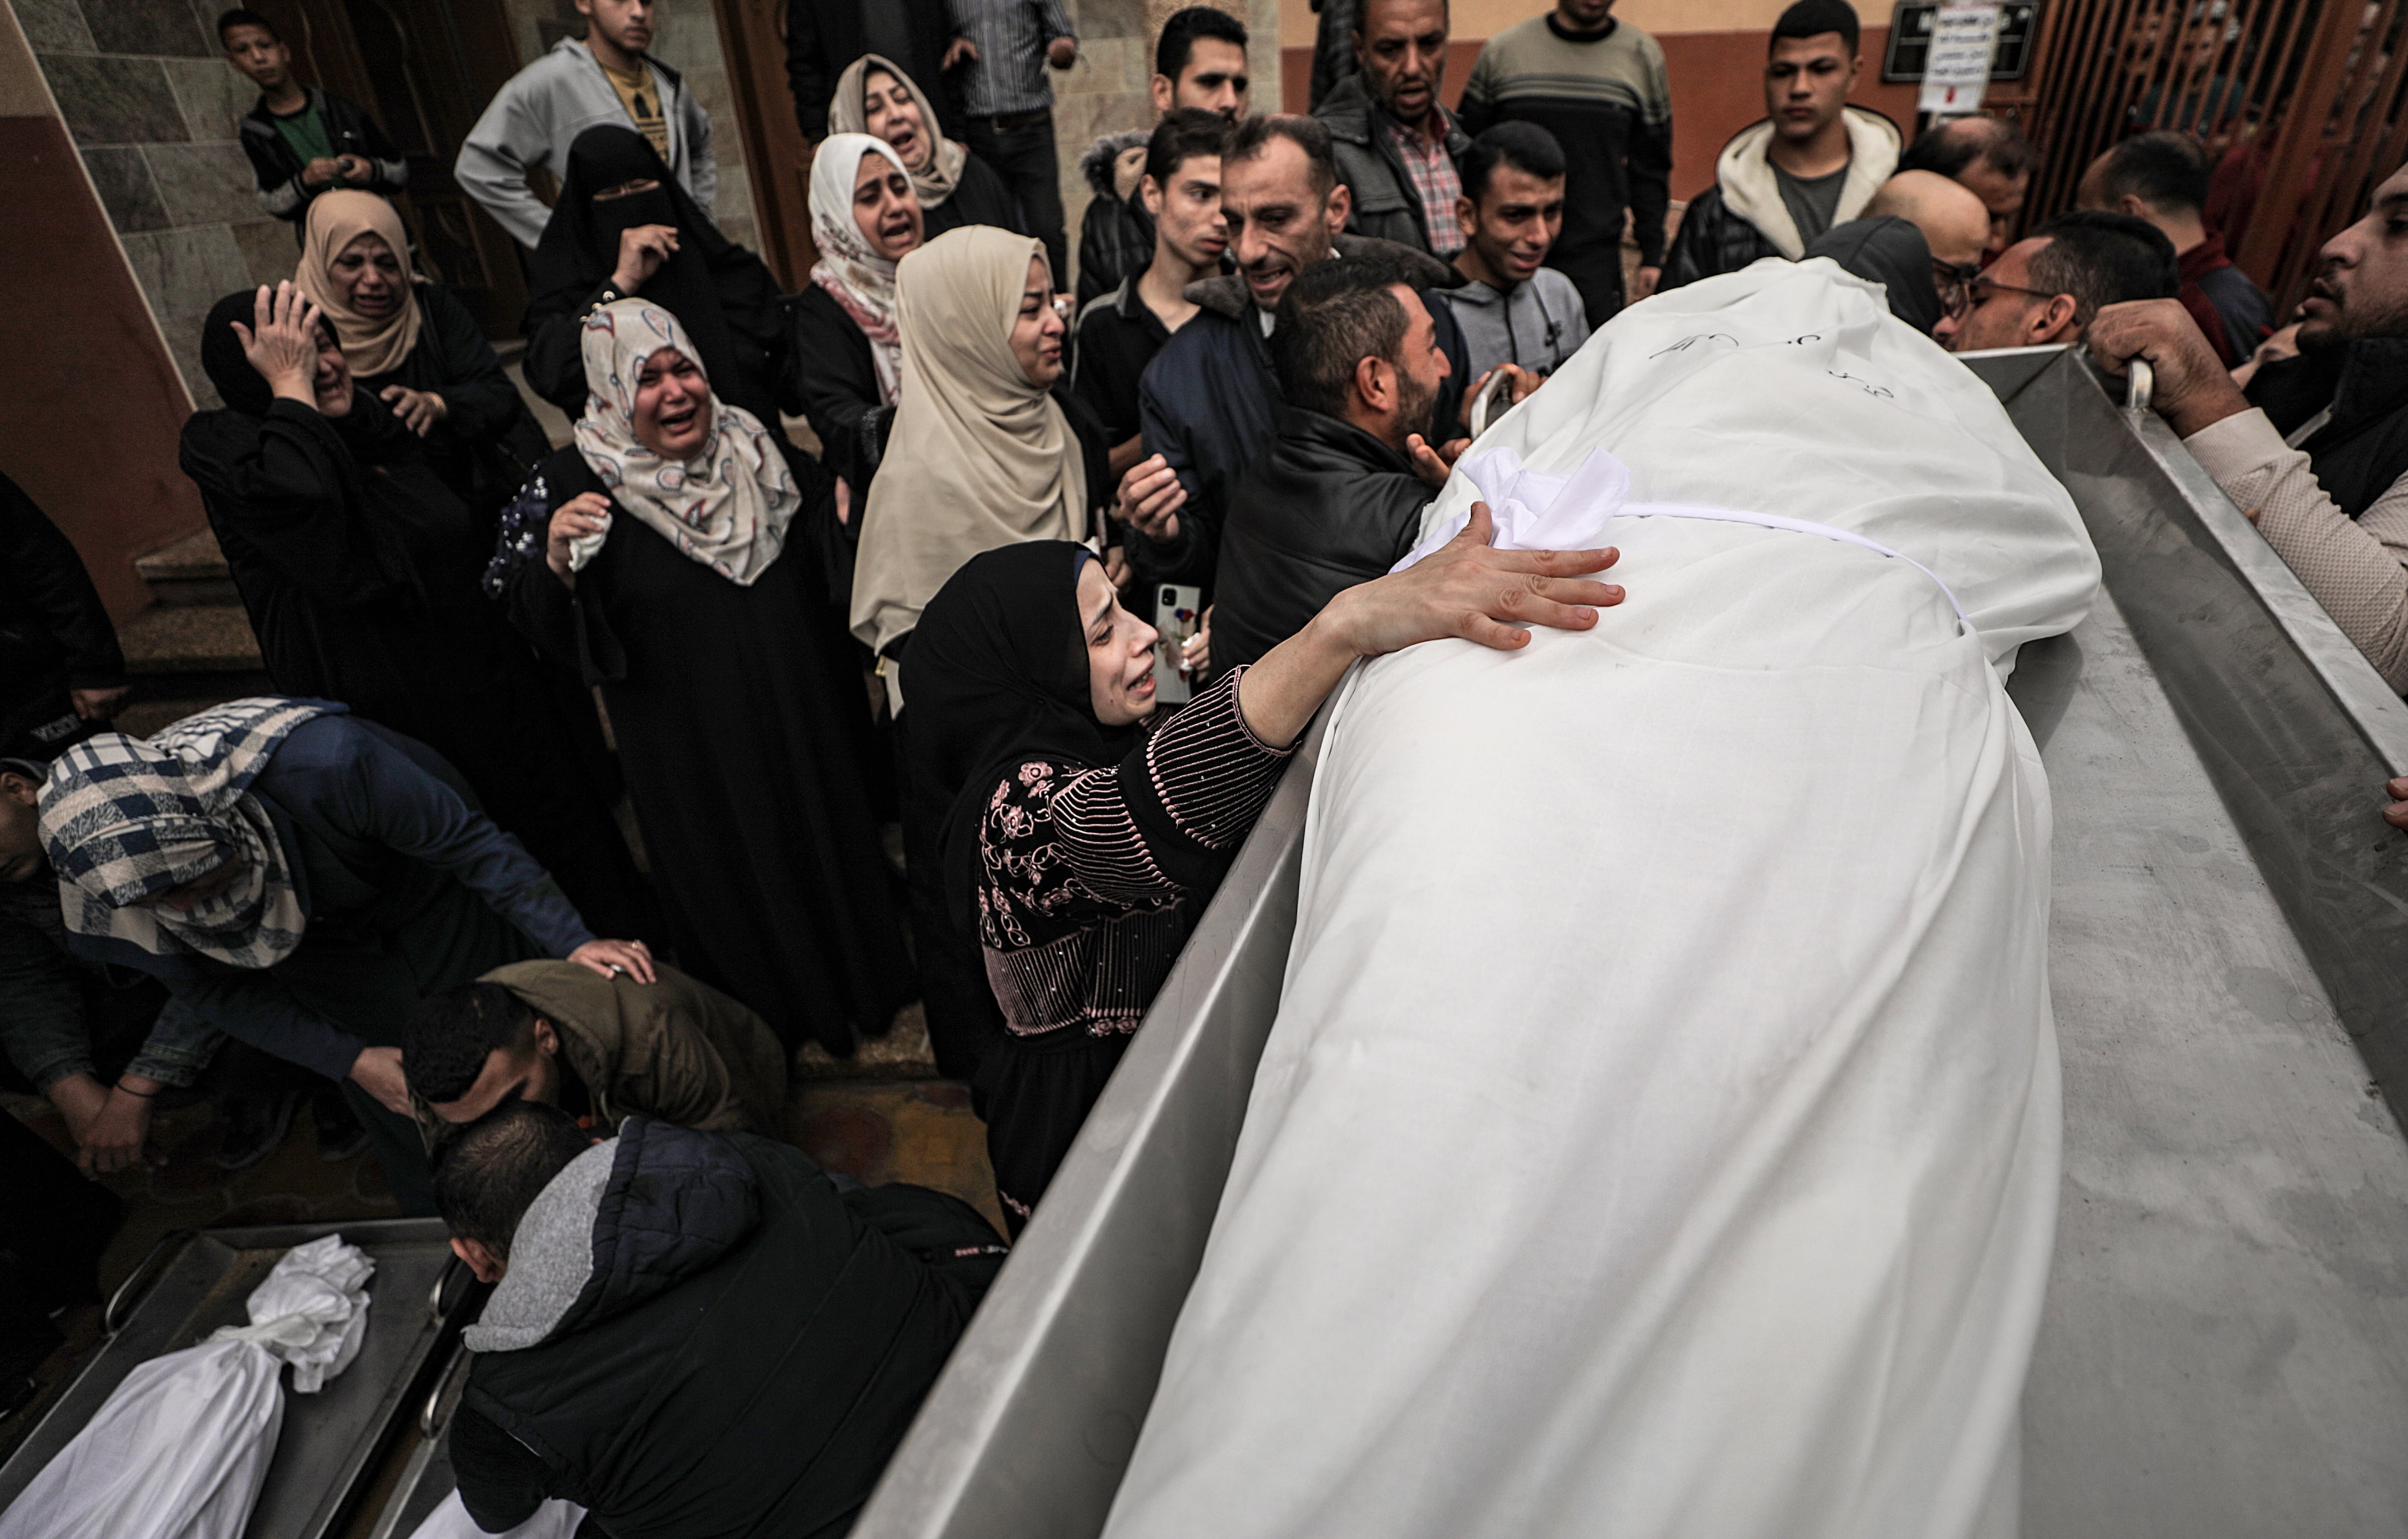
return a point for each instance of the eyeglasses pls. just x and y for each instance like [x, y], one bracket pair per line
[1986, 284]
[1952, 279]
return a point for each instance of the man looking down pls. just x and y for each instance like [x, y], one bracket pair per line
[2333, 500]
[1337, 499]
[2046, 289]
[601, 1048]
[2162, 178]
[1921, 238]
[693, 1335]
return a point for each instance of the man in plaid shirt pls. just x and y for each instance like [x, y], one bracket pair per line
[1395, 144]
[1003, 48]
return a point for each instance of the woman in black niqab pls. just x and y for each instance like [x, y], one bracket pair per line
[721, 293]
[359, 568]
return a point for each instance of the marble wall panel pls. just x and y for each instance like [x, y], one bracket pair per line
[269, 249]
[148, 26]
[122, 177]
[205, 183]
[185, 271]
[210, 95]
[111, 100]
[54, 26]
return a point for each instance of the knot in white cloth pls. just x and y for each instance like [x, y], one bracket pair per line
[312, 1311]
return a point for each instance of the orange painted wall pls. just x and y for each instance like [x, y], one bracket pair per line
[1717, 90]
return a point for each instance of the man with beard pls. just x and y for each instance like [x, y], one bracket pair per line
[2328, 486]
[1398, 148]
[1209, 400]
[1338, 497]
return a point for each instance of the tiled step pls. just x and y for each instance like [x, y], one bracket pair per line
[902, 1053]
[190, 572]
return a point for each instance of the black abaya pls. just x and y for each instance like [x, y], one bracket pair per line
[359, 569]
[740, 726]
[487, 441]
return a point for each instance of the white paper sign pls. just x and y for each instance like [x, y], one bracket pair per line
[1964, 36]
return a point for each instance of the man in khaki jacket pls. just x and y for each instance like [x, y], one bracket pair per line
[600, 1048]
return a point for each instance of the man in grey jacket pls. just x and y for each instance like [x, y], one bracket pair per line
[1514, 309]
[604, 77]
[1395, 145]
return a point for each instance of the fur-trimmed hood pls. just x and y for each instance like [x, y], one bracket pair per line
[1227, 296]
[1114, 164]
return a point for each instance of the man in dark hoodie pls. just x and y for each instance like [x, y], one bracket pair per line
[1199, 62]
[1209, 399]
[693, 1333]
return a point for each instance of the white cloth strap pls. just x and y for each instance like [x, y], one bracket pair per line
[1534, 511]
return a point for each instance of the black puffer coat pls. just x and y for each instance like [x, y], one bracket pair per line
[2362, 448]
[723, 1344]
[1116, 233]
[1326, 508]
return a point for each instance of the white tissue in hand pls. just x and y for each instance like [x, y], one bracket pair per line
[584, 547]
[313, 1311]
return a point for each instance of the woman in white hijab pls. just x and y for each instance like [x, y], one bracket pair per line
[654, 554]
[956, 188]
[848, 354]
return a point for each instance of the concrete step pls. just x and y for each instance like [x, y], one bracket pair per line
[190, 572]
[190, 638]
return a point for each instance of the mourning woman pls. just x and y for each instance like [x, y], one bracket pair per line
[654, 554]
[955, 187]
[416, 349]
[300, 878]
[624, 227]
[1076, 847]
[982, 452]
[848, 358]
[360, 570]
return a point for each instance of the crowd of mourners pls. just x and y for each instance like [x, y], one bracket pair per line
[564, 829]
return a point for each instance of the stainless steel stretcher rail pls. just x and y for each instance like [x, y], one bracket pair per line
[2224, 1350]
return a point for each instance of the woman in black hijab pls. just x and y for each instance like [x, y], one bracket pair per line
[360, 570]
[624, 228]
[1078, 848]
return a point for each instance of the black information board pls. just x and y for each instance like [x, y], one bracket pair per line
[1910, 40]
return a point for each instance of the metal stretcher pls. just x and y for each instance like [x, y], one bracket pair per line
[333, 1445]
[2225, 1349]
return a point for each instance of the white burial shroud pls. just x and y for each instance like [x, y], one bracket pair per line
[1659, 1134]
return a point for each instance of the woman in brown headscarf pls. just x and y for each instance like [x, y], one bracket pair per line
[955, 187]
[412, 346]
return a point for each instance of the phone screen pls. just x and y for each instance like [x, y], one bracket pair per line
[1177, 614]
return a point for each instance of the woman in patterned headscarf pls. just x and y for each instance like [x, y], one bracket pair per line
[300, 878]
[955, 187]
[654, 554]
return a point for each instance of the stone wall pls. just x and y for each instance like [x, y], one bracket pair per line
[151, 104]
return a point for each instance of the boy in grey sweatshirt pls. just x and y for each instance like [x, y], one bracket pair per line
[603, 77]
[1514, 310]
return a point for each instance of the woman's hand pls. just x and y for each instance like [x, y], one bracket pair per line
[1466, 587]
[641, 251]
[2396, 811]
[587, 513]
[1195, 652]
[611, 958]
[119, 1136]
[843, 500]
[379, 1073]
[1149, 500]
[419, 409]
[281, 342]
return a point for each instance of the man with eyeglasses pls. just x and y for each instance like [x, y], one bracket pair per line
[2047, 289]
[1921, 239]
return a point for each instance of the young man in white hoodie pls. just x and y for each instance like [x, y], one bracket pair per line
[605, 76]
[1812, 163]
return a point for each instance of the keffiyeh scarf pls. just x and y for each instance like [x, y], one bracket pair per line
[126, 818]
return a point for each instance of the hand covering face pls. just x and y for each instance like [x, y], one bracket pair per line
[979, 456]
[998, 670]
[715, 287]
[371, 345]
[849, 113]
[728, 507]
[124, 819]
[856, 276]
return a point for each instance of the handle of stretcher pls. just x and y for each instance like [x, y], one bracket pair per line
[137, 1282]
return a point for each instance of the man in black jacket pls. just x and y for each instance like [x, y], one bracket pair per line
[693, 1333]
[824, 37]
[1338, 498]
[1397, 148]
[1812, 163]
[1209, 401]
[302, 141]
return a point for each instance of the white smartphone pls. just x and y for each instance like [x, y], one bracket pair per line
[1177, 614]
[1484, 408]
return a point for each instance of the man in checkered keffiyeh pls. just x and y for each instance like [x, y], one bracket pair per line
[127, 819]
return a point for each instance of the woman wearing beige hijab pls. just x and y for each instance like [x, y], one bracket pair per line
[412, 346]
[982, 455]
[955, 187]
